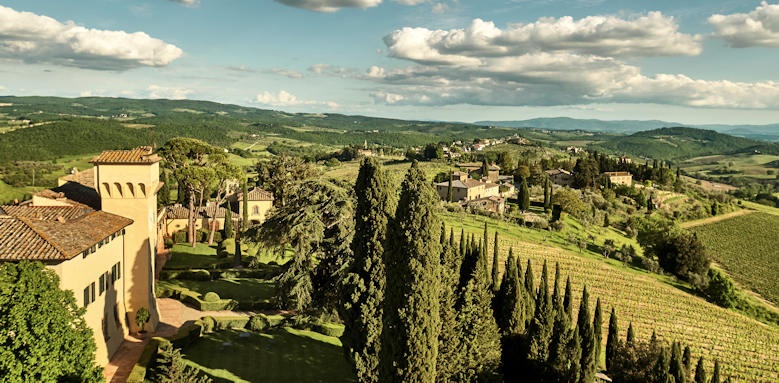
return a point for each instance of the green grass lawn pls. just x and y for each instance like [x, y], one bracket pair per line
[280, 355]
[240, 289]
[202, 256]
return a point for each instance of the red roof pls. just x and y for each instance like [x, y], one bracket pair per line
[140, 155]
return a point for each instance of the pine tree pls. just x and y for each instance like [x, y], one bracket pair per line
[229, 232]
[480, 337]
[363, 288]
[597, 330]
[495, 263]
[409, 338]
[541, 326]
[715, 378]
[524, 196]
[700, 372]
[612, 343]
[587, 340]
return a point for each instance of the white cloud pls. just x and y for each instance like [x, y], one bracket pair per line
[329, 5]
[411, 2]
[440, 8]
[172, 93]
[286, 99]
[332, 71]
[34, 38]
[287, 73]
[757, 28]
[650, 35]
[187, 3]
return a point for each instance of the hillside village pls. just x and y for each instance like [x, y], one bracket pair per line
[171, 251]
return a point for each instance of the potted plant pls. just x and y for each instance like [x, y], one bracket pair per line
[141, 318]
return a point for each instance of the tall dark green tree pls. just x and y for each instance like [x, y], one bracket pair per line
[450, 352]
[480, 336]
[547, 194]
[597, 331]
[687, 360]
[676, 368]
[541, 326]
[363, 287]
[513, 298]
[44, 335]
[244, 206]
[660, 373]
[568, 298]
[409, 339]
[228, 227]
[630, 340]
[495, 263]
[715, 376]
[449, 190]
[531, 291]
[587, 340]
[524, 195]
[612, 342]
[700, 372]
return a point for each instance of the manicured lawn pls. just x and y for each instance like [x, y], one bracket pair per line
[202, 256]
[240, 289]
[280, 355]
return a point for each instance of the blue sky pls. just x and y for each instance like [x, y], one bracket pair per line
[694, 61]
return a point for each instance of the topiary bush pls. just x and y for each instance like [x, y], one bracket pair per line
[211, 297]
[180, 236]
[329, 329]
[259, 323]
[209, 323]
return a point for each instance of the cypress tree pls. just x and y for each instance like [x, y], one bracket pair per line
[541, 326]
[587, 340]
[511, 317]
[547, 199]
[449, 193]
[561, 351]
[244, 206]
[715, 378]
[228, 227]
[480, 337]
[612, 342]
[630, 341]
[687, 360]
[524, 196]
[450, 353]
[676, 368]
[568, 299]
[409, 338]
[363, 288]
[463, 240]
[597, 331]
[606, 221]
[557, 300]
[700, 372]
[531, 292]
[660, 370]
[495, 271]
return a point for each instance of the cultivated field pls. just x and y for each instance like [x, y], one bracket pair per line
[748, 349]
[746, 247]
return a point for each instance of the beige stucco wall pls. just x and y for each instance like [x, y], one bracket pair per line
[261, 212]
[621, 180]
[80, 272]
[129, 190]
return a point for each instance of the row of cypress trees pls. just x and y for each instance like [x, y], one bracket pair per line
[419, 307]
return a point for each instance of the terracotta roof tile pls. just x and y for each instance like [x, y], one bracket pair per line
[54, 233]
[84, 177]
[141, 155]
[258, 194]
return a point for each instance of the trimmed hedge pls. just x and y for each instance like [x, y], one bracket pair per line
[329, 329]
[138, 373]
[226, 323]
[222, 270]
[187, 274]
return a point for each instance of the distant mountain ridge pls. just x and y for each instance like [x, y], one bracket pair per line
[769, 132]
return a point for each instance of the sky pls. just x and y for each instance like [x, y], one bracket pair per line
[691, 61]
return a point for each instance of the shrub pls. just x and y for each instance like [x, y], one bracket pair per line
[180, 236]
[557, 225]
[209, 323]
[228, 246]
[329, 329]
[259, 323]
[226, 323]
[218, 236]
[211, 297]
[138, 373]
[187, 334]
[168, 242]
[193, 275]
[720, 289]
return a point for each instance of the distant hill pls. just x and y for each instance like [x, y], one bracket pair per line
[680, 143]
[755, 132]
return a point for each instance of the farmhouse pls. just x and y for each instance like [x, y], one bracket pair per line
[494, 204]
[105, 254]
[467, 189]
[619, 178]
[560, 177]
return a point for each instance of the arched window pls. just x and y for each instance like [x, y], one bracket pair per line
[256, 210]
[131, 188]
[118, 188]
